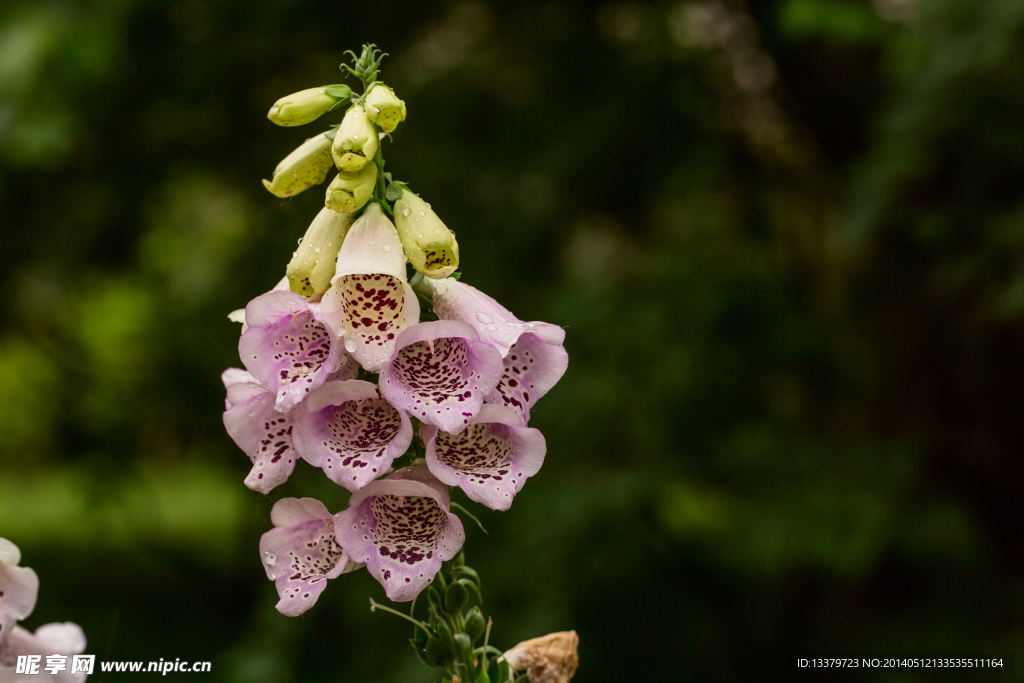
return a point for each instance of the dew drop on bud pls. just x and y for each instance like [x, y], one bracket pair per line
[316, 250]
[386, 248]
[484, 318]
[406, 211]
[423, 213]
[419, 236]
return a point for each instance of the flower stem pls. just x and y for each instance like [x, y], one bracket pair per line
[374, 606]
[471, 516]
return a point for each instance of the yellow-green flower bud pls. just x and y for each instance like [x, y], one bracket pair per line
[312, 265]
[301, 107]
[429, 244]
[384, 108]
[349, 191]
[356, 141]
[302, 169]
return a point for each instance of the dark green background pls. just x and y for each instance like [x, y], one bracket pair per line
[786, 240]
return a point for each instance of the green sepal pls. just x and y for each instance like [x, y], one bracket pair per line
[438, 653]
[503, 670]
[332, 133]
[341, 91]
[468, 583]
[395, 189]
[468, 572]
[445, 634]
[455, 597]
[463, 641]
[457, 275]
[460, 559]
[340, 103]
[421, 653]
[475, 624]
[483, 677]
[434, 599]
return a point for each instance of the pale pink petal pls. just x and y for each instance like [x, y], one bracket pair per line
[490, 460]
[264, 434]
[351, 433]
[301, 553]
[454, 300]
[287, 347]
[401, 527]
[533, 365]
[18, 588]
[441, 372]
[370, 301]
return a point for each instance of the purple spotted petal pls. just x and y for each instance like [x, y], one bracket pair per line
[454, 300]
[301, 553]
[263, 433]
[50, 639]
[533, 365]
[369, 301]
[490, 460]
[18, 588]
[287, 346]
[440, 373]
[402, 529]
[351, 432]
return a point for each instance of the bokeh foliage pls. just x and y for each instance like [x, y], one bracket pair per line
[786, 240]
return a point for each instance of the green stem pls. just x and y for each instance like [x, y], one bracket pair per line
[374, 606]
[471, 516]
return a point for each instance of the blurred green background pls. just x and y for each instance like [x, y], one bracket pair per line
[786, 240]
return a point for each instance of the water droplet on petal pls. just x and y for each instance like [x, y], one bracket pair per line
[316, 250]
[273, 576]
[406, 211]
[440, 289]
[372, 243]
[419, 236]
[484, 318]
[492, 328]
[423, 213]
[270, 558]
[386, 248]
[350, 345]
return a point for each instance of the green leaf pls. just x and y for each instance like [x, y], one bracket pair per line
[342, 92]
[340, 103]
[393, 193]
